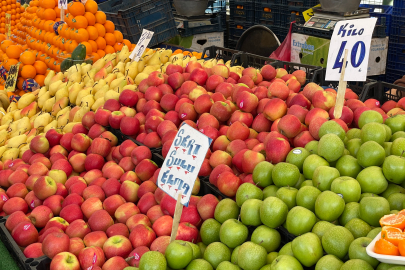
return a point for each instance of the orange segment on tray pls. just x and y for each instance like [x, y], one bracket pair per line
[392, 234]
[385, 247]
[393, 220]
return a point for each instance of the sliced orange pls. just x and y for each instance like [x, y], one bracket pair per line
[384, 247]
[392, 234]
[402, 212]
[393, 220]
[401, 247]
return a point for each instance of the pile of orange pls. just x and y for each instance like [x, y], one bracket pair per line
[13, 8]
[392, 240]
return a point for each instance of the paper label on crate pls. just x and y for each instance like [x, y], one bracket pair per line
[355, 36]
[141, 45]
[183, 162]
[62, 4]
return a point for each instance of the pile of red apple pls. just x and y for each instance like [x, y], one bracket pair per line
[85, 195]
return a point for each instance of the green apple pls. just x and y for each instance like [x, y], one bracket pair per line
[374, 232]
[396, 135]
[307, 196]
[321, 227]
[394, 169]
[329, 262]
[329, 206]
[131, 268]
[178, 255]
[285, 174]
[373, 132]
[348, 166]
[266, 237]
[270, 191]
[297, 157]
[209, 231]
[385, 266]
[396, 201]
[364, 195]
[233, 233]
[286, 250]
[398, 147]
[234, 256]
[266, 267]
[370, 117]
[337, 241]
[271, 257]
[352, 210]
[262, 174]
[348, 187]
[248, 191]
[250, 212]
[323, 177]
[388, 133]
[199, 264]
[287, 195]
[227, 266]
[372, 209]
[300, 181]
[332, 127]
[387, 147]
[396, 123]
[356, 264]
[300, 220]
[372, 180]
[307, 183]
[358, 228]
[202, 247]
[152, 260]
[226, 209]
[353, 133]
[391, 189]
[370, 154]
[251, 256]
[196, 250]
[330, 147]
[311, 163]
[286, 262]
[217, 252]
[307, 248]
[353, 146]
[357, 250]
[273, 212]
[312, 147]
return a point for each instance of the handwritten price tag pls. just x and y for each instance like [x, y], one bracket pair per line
[12, 78]
[141, 45]
[183, 162]
[62, 4]
[355, 36]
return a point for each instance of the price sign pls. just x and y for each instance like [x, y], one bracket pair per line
[183, 162]
[354, 36]
[12, 78]
[62, 4]
[8, 25]
[141, 45]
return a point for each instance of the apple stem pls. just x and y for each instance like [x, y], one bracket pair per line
[129, 258]
[239, 218]
[402, 153]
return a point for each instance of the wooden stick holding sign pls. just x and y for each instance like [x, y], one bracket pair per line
[341, 90]
[176, 218]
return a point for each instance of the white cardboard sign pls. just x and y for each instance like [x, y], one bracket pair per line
[355, 36]
[183, 162]
[142, 44]
[62, 4]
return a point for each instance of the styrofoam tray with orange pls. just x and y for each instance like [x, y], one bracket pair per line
[383, 258]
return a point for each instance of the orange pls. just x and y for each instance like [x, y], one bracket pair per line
[101, 53]
[109, 27]
[20, 82]
[111, 40]
[57, 12]
[80, 22]
[40, 67]
[28, 71]
[76, 9]
[127, 42]
[392, 234]
[89, 49]
[48, 3]
[10, 62]
[109, 49]
[100, 17]
[40, 79]
[49, 14]
[93, 33]
[5, 44]
[118, 46]
[401, 247]
[91, 6]
[95, 57]
[81, 35]
[13, 51]
[100, 29]
[91, 19]
[393, 220]
[93, 45]
[118, 36]
[27, 58]
[384, 247]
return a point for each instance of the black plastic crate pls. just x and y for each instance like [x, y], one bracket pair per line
[391, 75]
[383, 13]
[153, 15]
[232, 43]
[115, 5]
[242, 10]
[278, 2]
[250, 60]
[236, 28]
[219, 53]
[303, 3]
[213, 189]
[216, 26]
[15, 251]
[383, 91]
[267, 14]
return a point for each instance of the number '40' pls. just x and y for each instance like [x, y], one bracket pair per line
[339, 59]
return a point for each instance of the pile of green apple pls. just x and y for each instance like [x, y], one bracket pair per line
[329, 196]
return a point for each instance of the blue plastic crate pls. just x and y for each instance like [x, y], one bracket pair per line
[303, 3]
[392, 75]
[268, 14]
[153, 15]
[236, 29]
[288, 16]
[114, 5]
[242, 10]
[382, 13]
[216, 6]
[396, 53]
[398, 8]
[278, 2]
[215, 26]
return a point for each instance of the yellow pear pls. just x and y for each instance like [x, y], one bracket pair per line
[17, 141]
[12, 107]
[99, 64]
[25, 100]
[23, 149]
[17, 115]
[75, 77]
[87, 101]
[63, 92]
[60, 105]
[61, 112]
[155, 59]
[24, 124]
[98, 85]
[48, 78]
[132, 70]
[42, 99]
[7, 117]
[116, 82]
[68, 128]
[73, 112]
[101, 92]
[42, 91]
[130, 87]
[42, 120]
[30, 110]
[141, 64]
[3, 136]
[49, 104]
[55, 87]
[80, 113]
[74, 91]
[149, 69]
[10, 154]
[140, 77]
[62, 120]
[51, 125]
[123, 56]
[110, 78]
[86, 68]
[111, 94]
[119, 68]
[82, 94]
[98, 103]
[164, 56]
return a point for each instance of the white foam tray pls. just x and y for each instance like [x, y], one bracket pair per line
[384, 258]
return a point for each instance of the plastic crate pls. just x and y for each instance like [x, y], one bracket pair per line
[399, 8]
[383, 91]
[397, 29]
[278, 2]
[267, 14]
[303, 3]
[216, 6]
[114, 5]
[215, 26]
[220, 53]
[250, 60]
[392, 75]
[288, 16]
[396, 56]
[212, 189]
[236, 29]
[232, 43]
[153, 15]
[242, 10]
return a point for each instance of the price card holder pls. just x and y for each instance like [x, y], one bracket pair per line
[8, 26]
[181, 166]
[141, 45]
[12, 78]
[355, 36]
[62, 5]
[309, 13]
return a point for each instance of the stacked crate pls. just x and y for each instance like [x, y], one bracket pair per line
[242, 17]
